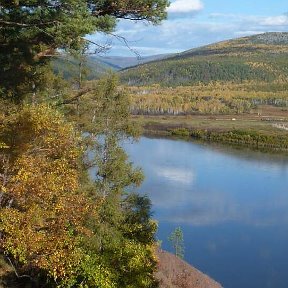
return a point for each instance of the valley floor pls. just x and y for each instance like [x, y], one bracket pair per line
[268, 129]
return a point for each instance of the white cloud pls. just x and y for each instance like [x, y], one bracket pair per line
[223, 15]
[185, 6]
[176, 175]
[281, 20]
[179, 33]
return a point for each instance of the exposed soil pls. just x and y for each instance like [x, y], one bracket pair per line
[176, 273]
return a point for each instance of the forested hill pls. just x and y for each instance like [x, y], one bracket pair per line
[262, 57]
[121, 62]
[92, 68]
[95, 67]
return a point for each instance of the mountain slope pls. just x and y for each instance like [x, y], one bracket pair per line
[97, 66]
[69, 67]
[262, 57]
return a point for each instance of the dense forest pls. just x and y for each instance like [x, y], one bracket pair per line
[235, 77]
[215, 98]
[67, 219]
[256, 58]
[69, 67]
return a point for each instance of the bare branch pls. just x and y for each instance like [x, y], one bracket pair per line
[100, 49]
[76, 97]
[4, 175]
[126, 43]
[15, 271]
[121, 12]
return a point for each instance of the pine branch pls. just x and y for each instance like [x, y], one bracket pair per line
[25, 25]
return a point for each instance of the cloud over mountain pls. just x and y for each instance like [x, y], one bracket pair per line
[186, 28]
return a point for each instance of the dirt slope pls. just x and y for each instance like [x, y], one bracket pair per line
[176, 273]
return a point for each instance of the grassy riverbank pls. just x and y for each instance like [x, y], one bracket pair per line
[265, 132]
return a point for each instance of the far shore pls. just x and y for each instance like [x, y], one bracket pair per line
[266, 132]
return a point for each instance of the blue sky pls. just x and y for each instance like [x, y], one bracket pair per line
[193, 23]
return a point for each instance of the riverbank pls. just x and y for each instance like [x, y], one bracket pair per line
[176, 273]
[172, 273]
[266, 132]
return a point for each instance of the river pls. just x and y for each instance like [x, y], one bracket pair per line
[232, 206]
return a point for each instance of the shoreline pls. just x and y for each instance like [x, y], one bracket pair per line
[260, 135]
[174, 272]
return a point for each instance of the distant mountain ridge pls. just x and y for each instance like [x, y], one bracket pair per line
[97, 66]
[262, 57]
[120, 62]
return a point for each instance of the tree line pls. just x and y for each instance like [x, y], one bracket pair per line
[212, 98]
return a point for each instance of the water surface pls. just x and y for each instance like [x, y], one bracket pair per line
[232, 206]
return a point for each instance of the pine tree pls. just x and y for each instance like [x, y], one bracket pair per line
[34, 30]
[123, 236]
[177, 240]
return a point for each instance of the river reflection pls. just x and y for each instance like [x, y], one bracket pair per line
[231, 204]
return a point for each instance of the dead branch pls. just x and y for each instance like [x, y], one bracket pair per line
[76, 97]
[15, 271]
[126, 43]
[5, 175]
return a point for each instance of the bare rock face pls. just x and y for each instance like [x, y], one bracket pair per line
[176, 273]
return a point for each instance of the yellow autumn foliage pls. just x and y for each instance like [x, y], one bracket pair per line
[42, 210]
